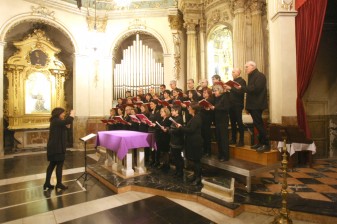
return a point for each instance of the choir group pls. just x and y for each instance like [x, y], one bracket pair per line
[181, 122]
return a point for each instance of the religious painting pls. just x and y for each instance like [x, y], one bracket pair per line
[38, 94]
[38, 57]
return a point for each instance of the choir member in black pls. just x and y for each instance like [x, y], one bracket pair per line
[176, 95]
[193, 97]
[127, 118]
[207, 116]
[111, 126]
[134, 125]
[235, 111]
[221, 108]
[177, 141]
[167, 97]
[144, 109]
[154, 116]
[163, 138]
[148, 98]
[120, 112]
[194, 141]
[119, 103]
[162, 89]
[56, 146]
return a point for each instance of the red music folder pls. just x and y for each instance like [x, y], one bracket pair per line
[205, 103]
[134, 118]
[106, 121]
[233, 84]
[164, 103]
[119, 119]
[144, 119]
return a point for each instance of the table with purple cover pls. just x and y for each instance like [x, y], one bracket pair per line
[119, 145]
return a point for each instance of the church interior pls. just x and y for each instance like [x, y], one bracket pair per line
[84, 55]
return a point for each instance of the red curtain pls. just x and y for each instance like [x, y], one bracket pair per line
[299, 3]
[309, 23]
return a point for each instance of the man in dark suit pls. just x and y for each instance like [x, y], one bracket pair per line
[235, 111]
[256, 102]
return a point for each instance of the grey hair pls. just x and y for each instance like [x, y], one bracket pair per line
[252, 63]
[219, 88]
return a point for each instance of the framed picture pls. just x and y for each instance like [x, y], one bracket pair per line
[38, 57]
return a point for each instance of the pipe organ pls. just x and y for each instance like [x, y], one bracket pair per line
[138, 68]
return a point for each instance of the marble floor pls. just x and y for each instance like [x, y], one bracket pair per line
[22, 199]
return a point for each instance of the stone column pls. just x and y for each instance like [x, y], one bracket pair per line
[2, 46]
[282, 62]
[202, 39]
[191, 51]
[239, 42]
[257, 35]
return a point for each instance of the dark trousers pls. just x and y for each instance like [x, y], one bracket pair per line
[177, 159]
[258, 124]
[221, 129]
[197, 168]
[206, 135]
[235, 116]
[50, 168]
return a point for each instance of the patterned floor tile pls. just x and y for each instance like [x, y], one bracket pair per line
[299, 175]
[328, 180]
[313, 195]
[322, 188]
[309, 181]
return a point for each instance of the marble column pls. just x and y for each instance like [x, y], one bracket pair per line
[282, 63]
[2, 46]
[202, 39]
[257, 35]
[239, 42]
[191, 51]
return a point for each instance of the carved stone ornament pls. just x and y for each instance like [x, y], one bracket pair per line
[239, 4]
[287, 4]
[256, 6]
[176, 22]
[137, 24]
[98, 24]
[43, 11]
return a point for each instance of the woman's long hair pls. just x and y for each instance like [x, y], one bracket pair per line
[56, 113]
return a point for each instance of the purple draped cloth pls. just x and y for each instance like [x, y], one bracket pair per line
[121, 141]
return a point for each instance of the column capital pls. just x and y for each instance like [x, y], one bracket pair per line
[190, 27]
[257, 7]
[239, 6]
[176, 22]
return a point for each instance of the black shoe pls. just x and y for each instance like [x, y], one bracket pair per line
[196, 182]
[61, 186]
[191, 179]
[49, 186]
[156, 165]
[232, 142]
[206, 155]
[263, 148]
[240, 144]
[256, 146]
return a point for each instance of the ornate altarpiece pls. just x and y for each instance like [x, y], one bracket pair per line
[35, 86]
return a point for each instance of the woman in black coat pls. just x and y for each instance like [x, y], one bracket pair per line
[221, 117]
[194, 141]
[56, 146]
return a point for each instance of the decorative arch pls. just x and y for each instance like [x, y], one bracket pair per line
[127, 33]
[14, 21]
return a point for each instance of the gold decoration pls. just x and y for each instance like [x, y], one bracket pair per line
[33, 86]
[284, 218]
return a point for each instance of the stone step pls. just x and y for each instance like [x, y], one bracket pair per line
[222, 189]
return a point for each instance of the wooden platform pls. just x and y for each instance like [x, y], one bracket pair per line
[242, 167]
[250, 155]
